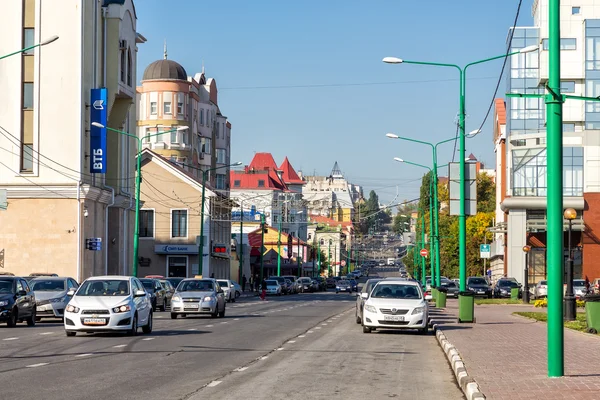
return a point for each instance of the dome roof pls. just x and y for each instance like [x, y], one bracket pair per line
[165, 69]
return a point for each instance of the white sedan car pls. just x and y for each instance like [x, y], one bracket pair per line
[109, 303]
[396, 304]
[229, 289]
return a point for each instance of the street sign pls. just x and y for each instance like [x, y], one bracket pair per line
[94, 244]
[484, 251]
[98, 113]
[424, 252]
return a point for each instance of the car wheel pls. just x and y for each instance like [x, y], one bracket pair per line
[237, 294]
[233, 300]
[215, 314]
[358, 319]
[366, 329]
[31, 320]
[148, 327]
[173, 315]
[154, 305]
[69, 333]
[164, 305]
[222, 313]
[134, 326]
[12, 321]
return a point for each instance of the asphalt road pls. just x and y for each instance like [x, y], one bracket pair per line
[300, 346]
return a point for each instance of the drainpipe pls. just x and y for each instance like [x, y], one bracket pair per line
[79, 231]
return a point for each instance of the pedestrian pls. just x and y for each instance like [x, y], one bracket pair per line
[212, 275]
[256, 283]
[244, 283]
[263, 293]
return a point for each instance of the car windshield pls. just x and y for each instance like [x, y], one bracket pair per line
[448, 284]
[271, 282]
[105, 287]
[196, 286]
[343, 283]
[48, 286]
[223, 284]
[396, 291]
[6, 286]
[543, 283]
[148, 284]
[511, 284]
[578, 282]
[477, 281]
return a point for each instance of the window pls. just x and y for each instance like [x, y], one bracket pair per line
[123, 66]
[567, 86]
[167, 107]
[146, 227]
[565, 44]
[152, 108]
[129, 67]
[178, 223]
[575, 10]
[568, 127]
[28, 37]
[261, 183]
[28, 95]
[27, 158]
[573, 171]
[237, 183]
[180, 108]
[221, 156]
[174, 137]
[205, 145]
[220, 181]
[202, 116]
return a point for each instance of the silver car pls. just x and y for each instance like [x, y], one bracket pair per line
[540, 289]
[363, 296]
[51, 295]
[198, 296]
[228, 288]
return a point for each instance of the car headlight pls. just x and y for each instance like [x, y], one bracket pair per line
[208, 298]
[72, 308]
[176, 298]
[57, 300]
[3, 302]
[370, 308]
[121, 309]
[418, 310]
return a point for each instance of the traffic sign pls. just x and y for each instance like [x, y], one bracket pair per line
[484, 251]
[424, 252]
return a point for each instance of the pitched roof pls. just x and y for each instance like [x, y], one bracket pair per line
[501, 111]
[289, 174]
[250, 179]
[263, 161]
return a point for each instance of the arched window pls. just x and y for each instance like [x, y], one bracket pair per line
[129, 66]
[123, 66]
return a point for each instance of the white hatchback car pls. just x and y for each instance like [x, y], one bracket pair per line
[109, 303]
[229, 289]
[396, 304]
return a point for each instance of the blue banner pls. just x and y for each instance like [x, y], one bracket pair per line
[98, 135]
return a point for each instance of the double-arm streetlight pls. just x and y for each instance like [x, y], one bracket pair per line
[462, 226]
[136, 228]
[279, 243]
[201, 244]
[42, 43]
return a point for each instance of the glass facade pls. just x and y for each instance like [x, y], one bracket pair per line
[592, 73]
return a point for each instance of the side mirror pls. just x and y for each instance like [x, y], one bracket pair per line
[139, 293]
[71, 292]
[231, 286]
[21, 293]
[364, 295]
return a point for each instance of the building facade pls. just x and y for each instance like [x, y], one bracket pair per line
[49, 172]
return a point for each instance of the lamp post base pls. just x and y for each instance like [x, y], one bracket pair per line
[570, 307]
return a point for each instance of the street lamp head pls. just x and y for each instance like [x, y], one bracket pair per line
[398, 159]
[393, 60]
[473, 133]
[529, 49]
[49, 40]
[527, 249]
[183, 128]
[98, 125]
[570, 214]
[392, 136]
[236, 164]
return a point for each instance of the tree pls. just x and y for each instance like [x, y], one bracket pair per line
[486, 193]
[403, 217]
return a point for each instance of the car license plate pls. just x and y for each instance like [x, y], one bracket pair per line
[393, 318]
[192, 306]
[42, 308]
[94, 321]
[481, 292]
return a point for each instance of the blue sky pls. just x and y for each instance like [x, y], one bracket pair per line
[304, 79]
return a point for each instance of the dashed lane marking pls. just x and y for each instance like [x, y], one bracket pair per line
[119, 345]
[36, 365]
[84, 355]
[240, 369]
[10, 338]
[149, 338]
[213, 383]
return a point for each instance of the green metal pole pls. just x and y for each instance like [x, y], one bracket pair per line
[423, 266]
[201, 244]
[279, 248]
[241, 242]
[555, 197]
[434, 278]
[136, 228]
[299, 257]
[435, 216]
[329, 258]
[318, 258]
[462, 221]
[30, 47]
[262, 246]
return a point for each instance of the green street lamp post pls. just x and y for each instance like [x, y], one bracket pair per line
[262, 246]
[201, 244]
[462, 226]
[43, 43]
[136, 227]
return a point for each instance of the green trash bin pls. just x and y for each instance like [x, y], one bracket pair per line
[514, 293]
[434, 295]
[441, 297]
[466, 306]
[592, 312]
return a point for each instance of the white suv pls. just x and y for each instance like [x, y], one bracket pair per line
[396, 304]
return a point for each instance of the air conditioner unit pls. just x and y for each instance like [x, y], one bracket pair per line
[123, 44]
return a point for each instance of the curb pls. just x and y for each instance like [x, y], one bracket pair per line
[468, 385]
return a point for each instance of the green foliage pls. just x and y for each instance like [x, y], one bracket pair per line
[367, 217]
[403, 215]
[486, 193]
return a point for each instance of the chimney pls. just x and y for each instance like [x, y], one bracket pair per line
[245, 169]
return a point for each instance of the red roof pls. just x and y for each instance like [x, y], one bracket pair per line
[289, 174]
[501, 111]
[319, 219]
[263, 161]
[250, 179]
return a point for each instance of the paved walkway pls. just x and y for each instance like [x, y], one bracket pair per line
[507, 355]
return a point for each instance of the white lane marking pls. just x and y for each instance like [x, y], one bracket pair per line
[119, 345]
[240, 369]
[192, 329]
[225, 322]
[264, 357]
[309, 332]
[159, 316]
[83, 355]
[301, 336]
[209, 326]
[292, 341]
[36, 365]
[279, 349]
[236, 319]
[317, 327]
[11, 338]
[46, 333]
[214, 383]
[323, 324]
[149, 338]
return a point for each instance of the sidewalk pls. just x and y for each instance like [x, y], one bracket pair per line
[507, 355]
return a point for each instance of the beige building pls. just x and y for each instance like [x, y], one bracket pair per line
[170, 222]
[54, 201]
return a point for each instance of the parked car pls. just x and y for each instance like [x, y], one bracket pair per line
[540, 289]
[479, 286]
[396, 305]
[273, 287]
[451, 286]
[321, 283]
[596, 285]
[109, 303]
[17, 301]
[579, 289]
[305, 284]
[503, 288]
[51, 297]
[354, 285]
[198, 296]
[363, 296]
[281, 281]
[292, 288]
[228, 288]
[330, 282]
[36, 274]
[157, 293]
[237, 289]
[343, 286]
[169, 289]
